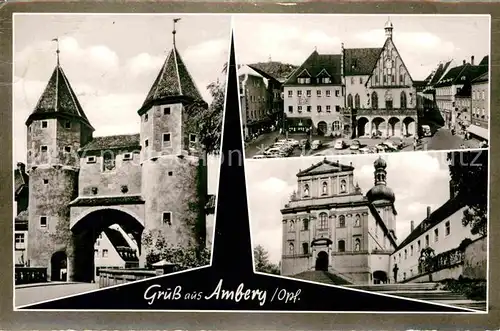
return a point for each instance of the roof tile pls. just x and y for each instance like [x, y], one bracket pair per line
[113, 142]
[360, 61]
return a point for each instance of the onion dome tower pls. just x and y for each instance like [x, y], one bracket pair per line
[380, 192]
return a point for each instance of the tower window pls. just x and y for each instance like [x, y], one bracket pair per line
[146, 117]
[192, 138]
[43, 149]
[127, 156]
[43, 221]
[108, 161]
[96, 252]
[67, 124]
[166, 140]
[91, 159]
[45, 124]
[305, 248]
[166, 111]
[341, 246]
[45, 181]
[170, 173]
[146, 143]
[19, 240]
[67, 149]
[104, 253]
[305, 224]
[447, 227]
[167, 218]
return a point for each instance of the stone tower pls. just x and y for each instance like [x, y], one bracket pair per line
[55, 131]
[174, 180]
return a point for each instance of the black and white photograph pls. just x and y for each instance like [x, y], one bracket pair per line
[411, 225]
[319, 85]
[117, 123]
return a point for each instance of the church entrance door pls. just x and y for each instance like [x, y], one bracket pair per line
[322, 261]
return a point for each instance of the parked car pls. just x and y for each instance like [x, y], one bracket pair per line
[316, 144]
[390, 144]
[259, 156]
[365, 150]
[381, 148]
[273, 150]
[355, 145]
[339, 144]
[293, 142]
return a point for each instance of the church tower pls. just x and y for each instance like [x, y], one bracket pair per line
[56, 129]
[388, 28]
[173, 169]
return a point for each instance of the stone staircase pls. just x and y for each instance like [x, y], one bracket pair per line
[424, 291]
[321, 277]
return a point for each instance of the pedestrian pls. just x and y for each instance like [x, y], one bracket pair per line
[415, 145]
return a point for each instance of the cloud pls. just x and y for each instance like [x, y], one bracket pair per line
[144, 63]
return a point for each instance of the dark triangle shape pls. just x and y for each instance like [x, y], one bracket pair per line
[232, 261]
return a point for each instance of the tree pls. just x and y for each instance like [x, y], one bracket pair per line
[261, 261]
[185, 257]
[469, 177]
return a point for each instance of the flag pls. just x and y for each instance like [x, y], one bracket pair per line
[55, 39]
[176, 20]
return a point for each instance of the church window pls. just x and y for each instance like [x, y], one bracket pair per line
[43, 149]
[341, 246]
[45, 181]
[403, 100]
[323, 221]
[108, 161]
[374, 100]
[343, 186]
[104, 253]
[447, 228]
[385, 78]
[166, 111]
[67, 149]
[43, 221]
[376, 79]
[146, 117]
[291, 226]
[166, 140]
[167, 218]
[305, 248]
[349, 101]
[341, 221]
[388, 100]
[357, 220]
[305, 224]
[45, 124]
[357, 101]
[91, 159]
[306, 190]
[357, 245]
[67, 124]
[291, 249]
[324, 189]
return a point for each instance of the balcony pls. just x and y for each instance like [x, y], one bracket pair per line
[386, 112]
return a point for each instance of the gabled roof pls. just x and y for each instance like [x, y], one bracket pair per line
[273, 70]
[485, 61]
[360, 61]
[462, 74]
[113, 142]
[481, 79]
[314, 64]
[173, 82]
[324, 167]
[58, 98]
[442, 213]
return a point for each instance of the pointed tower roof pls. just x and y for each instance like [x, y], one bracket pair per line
[58, 98]
[173, 83]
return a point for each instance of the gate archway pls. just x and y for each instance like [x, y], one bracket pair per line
[58, 266]
[322, 261]
[379, 277]
[394, 127]
[322, 128]
[362, 126]
[87, 230]
[409, 126]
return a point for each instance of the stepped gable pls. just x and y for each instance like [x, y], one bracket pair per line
[58, 98]
[174, 82]
[360, 61]
[315, 67]
[113, 142]
[324, 167]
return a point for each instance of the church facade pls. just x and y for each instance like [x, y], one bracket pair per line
[78, 185]
[359, 92]
[330, 225]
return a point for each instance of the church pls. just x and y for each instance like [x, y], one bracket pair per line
[75, 186]
[329, 225]
[360, 92]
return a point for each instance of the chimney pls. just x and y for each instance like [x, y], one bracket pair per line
[472, 60]
[412, 226]
[428, 211]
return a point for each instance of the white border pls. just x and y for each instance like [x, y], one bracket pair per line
[233, 15]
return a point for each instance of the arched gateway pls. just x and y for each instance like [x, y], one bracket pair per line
[85, 232]
[322, 261]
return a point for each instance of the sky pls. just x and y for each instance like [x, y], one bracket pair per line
[418, 179]
[422, 40]
[111, 62]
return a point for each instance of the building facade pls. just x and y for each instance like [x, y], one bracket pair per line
[254, 101]
[80, 185]
[329, 225]
[463, 107]
[480, 107]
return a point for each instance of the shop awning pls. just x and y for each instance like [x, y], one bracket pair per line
[478, 131]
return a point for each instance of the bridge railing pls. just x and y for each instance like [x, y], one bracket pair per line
[30, 275]
[111, 277]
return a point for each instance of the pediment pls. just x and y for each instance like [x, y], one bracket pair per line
[324, 167]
